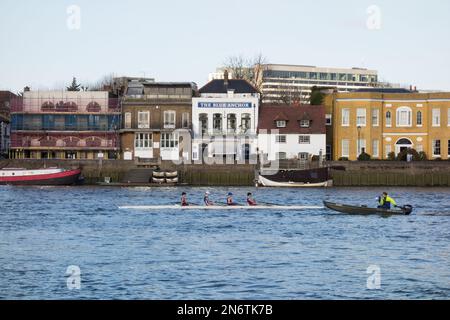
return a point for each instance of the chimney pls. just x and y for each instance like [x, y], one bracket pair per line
[410, 87]
[415, 88]
[225, 78]
[26, 89]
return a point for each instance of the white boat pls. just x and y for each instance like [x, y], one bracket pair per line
[224, 207]
[269, 183]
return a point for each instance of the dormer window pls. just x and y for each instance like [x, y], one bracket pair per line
[281, 123]
[305, 123]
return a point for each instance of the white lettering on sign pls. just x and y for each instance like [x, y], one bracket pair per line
[224, 104]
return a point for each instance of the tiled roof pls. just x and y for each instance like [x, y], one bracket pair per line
[269, 114]
[219, 86]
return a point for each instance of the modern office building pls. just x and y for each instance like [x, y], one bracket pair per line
[384, 121]
[225, 119]
[156, 121]
[292, 84]
[65, 125]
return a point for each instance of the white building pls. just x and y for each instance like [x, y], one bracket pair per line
[291, 132]
[224, 119]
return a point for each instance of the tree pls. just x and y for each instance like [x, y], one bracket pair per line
[105, 82]
[74, 86]
[250, 69]
[317, 96]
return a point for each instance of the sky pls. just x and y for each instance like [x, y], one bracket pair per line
[43, 44]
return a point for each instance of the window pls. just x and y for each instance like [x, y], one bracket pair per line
[303, 155]
[128, 120]
[361, 117]
[169, 140]
[185, 120]
[436, 116]
[361, 146]
[345, 117]
[304, 123]
[419, 118]
[245, 122]
[143, 140]
[388, 119]
[375, 117]
[388, 149]
[281, 124]
[345, 148]
[93, 122]
[328, 119]
[281, 155]
[404, 115]
[375, 150]
[203, 119]
[280, 139]
[419, 148]
[144, 119]
[304, 139]
[71, 122]
[436, 148]
[231, 122]
[217, 123]
[448, 117]
[48, 122]
[169, 119]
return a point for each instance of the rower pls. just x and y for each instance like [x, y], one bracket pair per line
[386, 202]
[184, 202]
[206, 199]
[250, 200]
[230, 201]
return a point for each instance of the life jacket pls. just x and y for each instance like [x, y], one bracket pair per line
[387, 199]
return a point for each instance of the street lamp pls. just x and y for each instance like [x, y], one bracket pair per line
[359, 141]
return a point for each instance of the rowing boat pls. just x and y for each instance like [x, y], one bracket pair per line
[259, 207]
[364, 210]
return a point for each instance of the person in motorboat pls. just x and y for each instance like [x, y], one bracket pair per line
[184, 202]
[206, 200]
[230, 201]
[386, 202]
[250, 200]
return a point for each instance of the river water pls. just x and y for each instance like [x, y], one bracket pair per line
[170, 254]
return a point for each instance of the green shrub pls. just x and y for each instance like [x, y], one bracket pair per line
[422, 156]
[391, 156]
[343, 159]
[364, 157]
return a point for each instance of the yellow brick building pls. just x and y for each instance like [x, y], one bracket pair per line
[383, 122]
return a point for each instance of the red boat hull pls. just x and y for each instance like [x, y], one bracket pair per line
[64, 178]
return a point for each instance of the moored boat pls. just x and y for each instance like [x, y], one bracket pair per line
[310, 178]
[173, 174]
[364, 210]
[43, 177]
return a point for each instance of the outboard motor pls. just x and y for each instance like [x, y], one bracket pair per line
[407, 209]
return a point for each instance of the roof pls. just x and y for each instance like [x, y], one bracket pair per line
[219, 86]
[269, 114]
[384, 90]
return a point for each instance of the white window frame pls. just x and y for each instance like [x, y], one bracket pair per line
[433, 148]
[436, 115]
[301, 156]
[448, 119]
[345, 148]
[375, 117]
[387, 149]
[376, 148]
[388, 122]
[281, 123]
[185, 119]
[277, 155]
[127, 120]
[304, 139]
[361, 143]
[305, 123]
[170, 119]
[278, 139]
[345, 117]
[143, 123]
[143, 141]
[361, 117]
[167, 138]
[399, 118]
